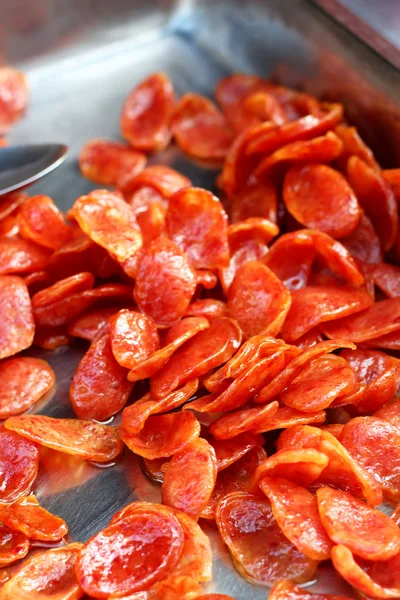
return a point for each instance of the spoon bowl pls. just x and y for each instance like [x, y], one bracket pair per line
[21, 166]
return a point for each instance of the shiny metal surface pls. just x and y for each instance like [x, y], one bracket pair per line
[82, 57]
[23, 165]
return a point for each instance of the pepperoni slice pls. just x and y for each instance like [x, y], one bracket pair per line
[258, 300]
[377, 579]
[363, 243]
[266, 139]
[230, 451]
[320, 198]
[255, 200]
[389, 341]
[130, 555]
[294, 368]
[286, 590]
[176, 336]
[235, 478]
[109, 222]
[90, 440]
[175, 587]
[10, 202]
[41, 221]
[198, 224]
[239, 392]
[99, 386]
[291, 257]
[376, 198]
[335, 257]
[322, 149]
[165, 282]
[13, 546]
[386, 277]
[344, 471]
[233, 424]
[23, 381]
[301, 466]
[48, 574]
[378, 375]
[196, 558]
[207, 350]
[63, 288]
[231, 93]
[296, 512]
[260, 551]
[374, 444]
[200, 129]
[316, 304]
[377, 320]
[180, 489]
[17, 327]
[28, 517]
[152, 223]
[251, 250]
[162, 180]
[390, 413]
[207, 308]
[13, 97]
[134, 337]
[349, 521]
[88, 325]
[21, 256]
[320, 383]
[353, 145]
[163, 435]
[251, 229]
[392, 177]
[135, 416]
[107, 162]
[146, 114]
[256, 348]
[19, 461]
[82, 254]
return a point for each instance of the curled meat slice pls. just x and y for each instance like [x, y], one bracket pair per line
[296, 512]
[162, 435]
[23, 381]
[260, 551]
[165, 282]
[180, 488]
[316, 304]
[198, 224]
[205, 351]
[107, 162]
[200, 129]
[258, 300]
[87, 439]
[376, 198]
[378, 579]
[48, 574]
[17, 326]
[147, 112]
[320, 198]
[349, 521]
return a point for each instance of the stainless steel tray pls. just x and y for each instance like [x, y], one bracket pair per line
[82, 57]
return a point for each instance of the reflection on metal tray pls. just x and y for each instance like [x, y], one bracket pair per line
[82, 58]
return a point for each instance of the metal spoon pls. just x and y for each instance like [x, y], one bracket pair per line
[22, 165]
